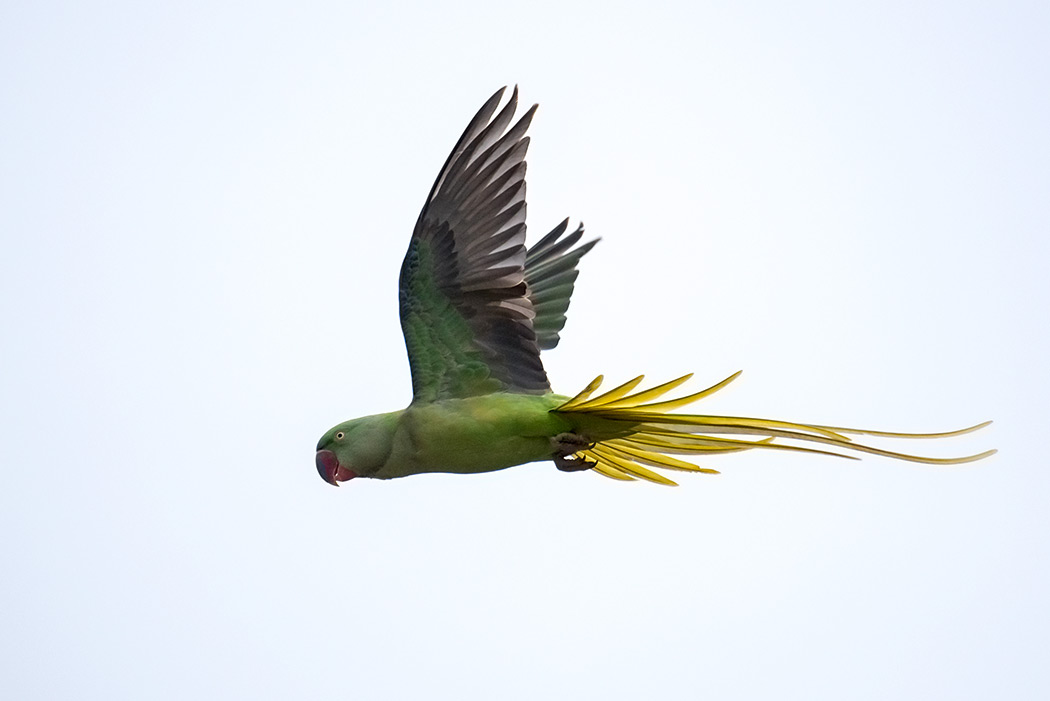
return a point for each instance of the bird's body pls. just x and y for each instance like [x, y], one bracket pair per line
[468, 435]
[477, 308]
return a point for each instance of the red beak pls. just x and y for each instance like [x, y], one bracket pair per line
[330, 470]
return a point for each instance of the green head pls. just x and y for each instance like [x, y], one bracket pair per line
[357, 448]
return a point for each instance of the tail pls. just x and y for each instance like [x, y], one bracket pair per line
[645, 433]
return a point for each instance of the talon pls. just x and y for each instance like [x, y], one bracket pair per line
[565, 446]
[570, 463]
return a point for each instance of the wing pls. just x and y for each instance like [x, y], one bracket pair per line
[465, 313]
[550, 273]
[470, 294]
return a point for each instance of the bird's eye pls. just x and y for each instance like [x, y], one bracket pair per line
[339, 436]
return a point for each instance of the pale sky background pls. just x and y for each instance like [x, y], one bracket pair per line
[204, 207]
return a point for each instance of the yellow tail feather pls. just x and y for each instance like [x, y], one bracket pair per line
[653, 433]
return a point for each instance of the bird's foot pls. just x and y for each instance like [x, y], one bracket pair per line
[565, 446]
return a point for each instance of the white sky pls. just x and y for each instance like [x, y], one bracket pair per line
[203, 212]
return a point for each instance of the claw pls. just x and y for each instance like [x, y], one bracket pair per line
[565, 446]
[569, 463]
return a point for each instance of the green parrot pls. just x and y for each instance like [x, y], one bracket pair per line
[477, 308]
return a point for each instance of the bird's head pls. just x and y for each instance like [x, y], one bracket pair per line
[357, 448]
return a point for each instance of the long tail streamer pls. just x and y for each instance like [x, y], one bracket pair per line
[655, 433]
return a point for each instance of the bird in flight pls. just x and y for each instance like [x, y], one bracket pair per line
[477, 307]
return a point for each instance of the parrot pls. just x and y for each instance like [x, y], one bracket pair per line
[477, 307]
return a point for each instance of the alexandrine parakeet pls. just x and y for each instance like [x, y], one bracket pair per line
[477, 307]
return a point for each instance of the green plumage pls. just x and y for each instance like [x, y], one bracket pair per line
[473, 434]
[443, 360]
